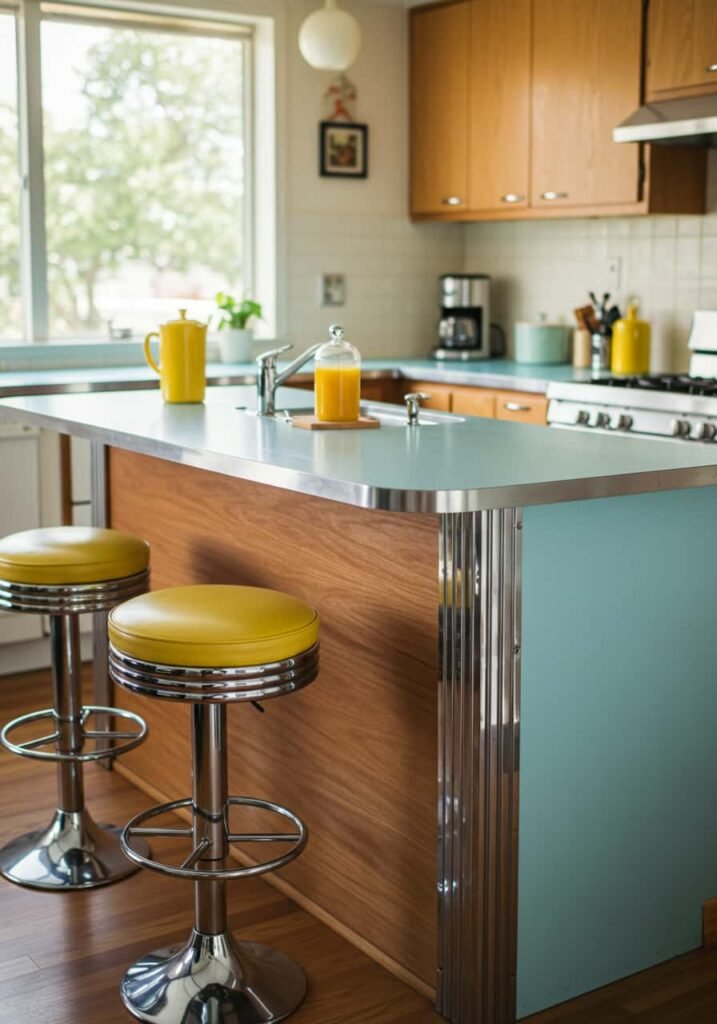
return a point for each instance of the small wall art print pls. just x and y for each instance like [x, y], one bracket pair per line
[343, 149]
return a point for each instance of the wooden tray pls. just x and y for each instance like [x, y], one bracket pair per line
[312, 423]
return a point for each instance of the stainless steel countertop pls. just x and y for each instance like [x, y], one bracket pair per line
[465, 466]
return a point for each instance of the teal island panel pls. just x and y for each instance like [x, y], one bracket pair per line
[618, 770]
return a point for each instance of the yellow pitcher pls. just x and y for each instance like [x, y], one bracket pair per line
[182, 359]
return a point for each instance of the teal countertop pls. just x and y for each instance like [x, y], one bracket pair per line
[499, 373]
[460, 465]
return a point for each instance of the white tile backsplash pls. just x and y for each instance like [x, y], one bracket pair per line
[669, 263]
[392, 269]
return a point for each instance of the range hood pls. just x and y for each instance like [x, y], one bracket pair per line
[683, 122]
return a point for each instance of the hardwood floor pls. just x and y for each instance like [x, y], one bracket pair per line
[61, 956]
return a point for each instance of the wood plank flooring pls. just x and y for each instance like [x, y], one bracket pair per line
[61, 956]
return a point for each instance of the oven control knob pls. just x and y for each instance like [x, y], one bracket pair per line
[582, 418]
[621, 421]
[704, 431]
[602, 419]
[680, 428]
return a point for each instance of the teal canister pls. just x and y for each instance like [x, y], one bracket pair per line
[541, 342]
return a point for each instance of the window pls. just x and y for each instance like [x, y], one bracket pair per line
[144, 154]
[10, 303]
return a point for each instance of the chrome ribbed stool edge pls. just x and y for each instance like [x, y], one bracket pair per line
[73, 852]
[213, 977]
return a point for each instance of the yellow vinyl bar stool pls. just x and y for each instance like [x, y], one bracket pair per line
[64, 572]
[211, 646]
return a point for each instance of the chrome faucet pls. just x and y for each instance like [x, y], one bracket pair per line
[268, 379]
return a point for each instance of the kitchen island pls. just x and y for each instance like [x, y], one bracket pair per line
[517, 628]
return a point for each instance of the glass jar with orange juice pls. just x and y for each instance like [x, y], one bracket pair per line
[337, 379]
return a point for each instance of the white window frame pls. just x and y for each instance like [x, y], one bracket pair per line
[259, 264]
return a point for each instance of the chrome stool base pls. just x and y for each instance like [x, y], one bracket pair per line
[213, 979]
[72, 853]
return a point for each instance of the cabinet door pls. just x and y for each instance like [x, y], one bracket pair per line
[439, 107]
[521, 407]
[682, 46]
[19, 510]
[586, 79]
[499, 110]
[474, 402]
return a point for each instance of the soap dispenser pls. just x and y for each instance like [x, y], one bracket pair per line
[337, 379]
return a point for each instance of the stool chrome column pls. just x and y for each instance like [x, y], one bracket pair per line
[63, 572]
[211, 646]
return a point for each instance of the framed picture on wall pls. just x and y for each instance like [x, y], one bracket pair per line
[343, 149]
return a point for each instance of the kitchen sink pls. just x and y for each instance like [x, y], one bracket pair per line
[387, 415]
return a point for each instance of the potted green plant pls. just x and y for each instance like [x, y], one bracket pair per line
[235, 336]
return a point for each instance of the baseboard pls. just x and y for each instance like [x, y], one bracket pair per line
[288, 890]
[709, 923]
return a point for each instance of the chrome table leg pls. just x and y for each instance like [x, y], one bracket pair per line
[478, 770]
[212, 977]
[73, 852]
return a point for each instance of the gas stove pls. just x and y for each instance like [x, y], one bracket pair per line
[679, 406]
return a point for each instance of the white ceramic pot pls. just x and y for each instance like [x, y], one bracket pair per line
[236, 345]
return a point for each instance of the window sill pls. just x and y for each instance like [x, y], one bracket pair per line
[81, 355]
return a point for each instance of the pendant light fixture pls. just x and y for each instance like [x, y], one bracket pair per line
[330, 39]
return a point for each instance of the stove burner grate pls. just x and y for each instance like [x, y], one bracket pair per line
[676, 383]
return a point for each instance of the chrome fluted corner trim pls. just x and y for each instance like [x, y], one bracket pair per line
[135, 829]
[220, 685]
[478, 775]
[71, 599]
[118, 742]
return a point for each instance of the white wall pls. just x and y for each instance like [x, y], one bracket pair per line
[355, 227]
[549, 266]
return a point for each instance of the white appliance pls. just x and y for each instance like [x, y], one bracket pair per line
[682, 407]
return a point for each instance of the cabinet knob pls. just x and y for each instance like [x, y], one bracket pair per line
[512, 197]
[515, 407]
[452, 201]
[554, 195]
[711, 69]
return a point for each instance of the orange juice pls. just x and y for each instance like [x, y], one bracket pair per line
[338, 393]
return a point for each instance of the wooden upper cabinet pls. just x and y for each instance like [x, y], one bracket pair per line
[439, 107]
[681, 47]
[499, 108]
[586, 79]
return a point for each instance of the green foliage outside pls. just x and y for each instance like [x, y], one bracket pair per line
[153, 175]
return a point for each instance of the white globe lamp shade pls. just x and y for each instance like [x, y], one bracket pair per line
[330, 39]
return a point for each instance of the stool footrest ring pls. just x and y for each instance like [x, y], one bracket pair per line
[30, 748]
[135, 828]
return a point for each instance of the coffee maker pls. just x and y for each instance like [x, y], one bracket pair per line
[464, 327]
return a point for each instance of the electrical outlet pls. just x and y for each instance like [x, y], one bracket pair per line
[613, 275]
[333, 290]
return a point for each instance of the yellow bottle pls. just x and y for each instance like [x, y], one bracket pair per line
[337, 380]
[630, 343]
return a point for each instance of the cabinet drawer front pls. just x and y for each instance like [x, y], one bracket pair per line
[439, 395]
[474, 402]
[521, 408]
